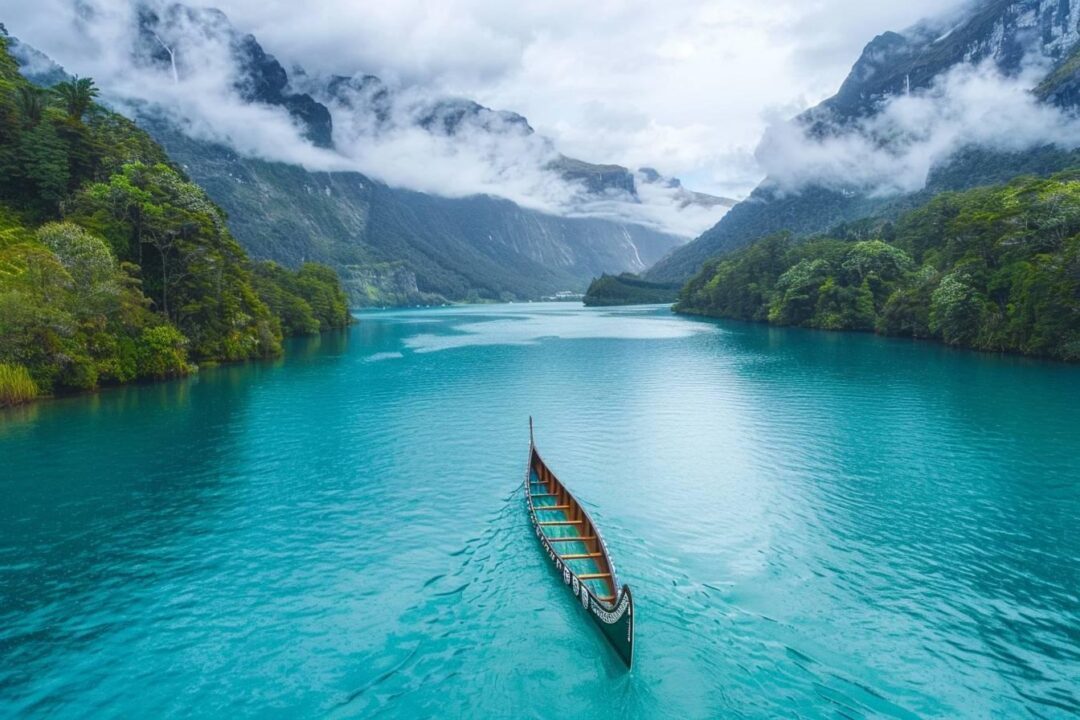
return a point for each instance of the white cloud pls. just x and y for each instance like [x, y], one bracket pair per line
[895, 150]
[686, 86]
[682, 85]
[199, 93]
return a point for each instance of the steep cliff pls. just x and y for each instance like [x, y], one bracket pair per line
[391, 244]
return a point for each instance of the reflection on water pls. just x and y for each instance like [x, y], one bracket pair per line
[525, 327]
[814, 524]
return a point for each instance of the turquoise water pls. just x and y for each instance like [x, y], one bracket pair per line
[813, 524]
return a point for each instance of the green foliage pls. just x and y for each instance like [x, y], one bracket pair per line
[320, 287]
[31, 102]
[112, 265]
[795, 297]
[193, 270]
[629, 289]
[993, 268]
[76, 96]
[16, 385]
[306, 301]
[41, 169]
[955, 310]
[162, 352]
[96, 279]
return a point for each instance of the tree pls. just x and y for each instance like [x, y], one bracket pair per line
[43, 169]
[797, 292]
[907, 310]
[954, 310]
[76, 95]
[31, 103]
[873, 257]
[194, 271]
[163, 352]
[96, 279]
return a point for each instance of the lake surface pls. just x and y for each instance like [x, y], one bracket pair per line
[814, 525]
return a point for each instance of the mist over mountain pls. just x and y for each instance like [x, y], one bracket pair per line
[218, 83]
[455, 201]
[970, 98]
[364, 172]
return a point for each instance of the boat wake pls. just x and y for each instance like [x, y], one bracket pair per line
[461, 608]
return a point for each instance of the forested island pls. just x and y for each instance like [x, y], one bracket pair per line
[994, 268]
[629, 289]
[114, 266]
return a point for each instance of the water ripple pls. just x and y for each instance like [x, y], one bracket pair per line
[814, 525]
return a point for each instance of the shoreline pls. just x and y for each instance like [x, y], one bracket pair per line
[199, 367]
[692, 312]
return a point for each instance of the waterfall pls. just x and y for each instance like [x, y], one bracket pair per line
[172, 58]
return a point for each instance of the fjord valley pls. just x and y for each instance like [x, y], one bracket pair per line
[390, 243]
[799, 534]
[289, 309]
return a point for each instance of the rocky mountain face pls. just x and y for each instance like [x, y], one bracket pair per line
[1001, 32]
[392, 245]
[366, 101]
[395, 246]
[171, 39]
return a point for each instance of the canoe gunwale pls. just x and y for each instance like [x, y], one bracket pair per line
[608, 614]
[609, 605]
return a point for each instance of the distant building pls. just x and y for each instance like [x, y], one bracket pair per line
[564, 296]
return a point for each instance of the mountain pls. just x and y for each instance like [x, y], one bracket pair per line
[394, 246]
[164, 40]
[367, 102]
[992, 268]
[34, 65]
[390, 244]
[999, 33]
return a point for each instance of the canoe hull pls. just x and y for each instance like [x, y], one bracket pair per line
[577, 551]
[617, 623]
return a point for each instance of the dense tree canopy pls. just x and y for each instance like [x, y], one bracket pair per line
[113, 266]
[993, 268]
[628, 289]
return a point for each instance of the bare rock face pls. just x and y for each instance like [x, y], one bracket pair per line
[1001, 32]
[172, 39]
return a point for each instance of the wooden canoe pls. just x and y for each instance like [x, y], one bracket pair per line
[573, 543]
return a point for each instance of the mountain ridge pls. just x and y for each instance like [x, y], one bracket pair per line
[890, 65]
[390, 244]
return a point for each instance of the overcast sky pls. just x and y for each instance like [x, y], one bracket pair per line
[686, 86]
[683, 85]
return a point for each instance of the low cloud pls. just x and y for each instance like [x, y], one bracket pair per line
[895, 150]
[194, 83]
[683, 88]
[490, 154]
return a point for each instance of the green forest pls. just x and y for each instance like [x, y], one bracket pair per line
[628, 289]
[113, 266]
[994, 268]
